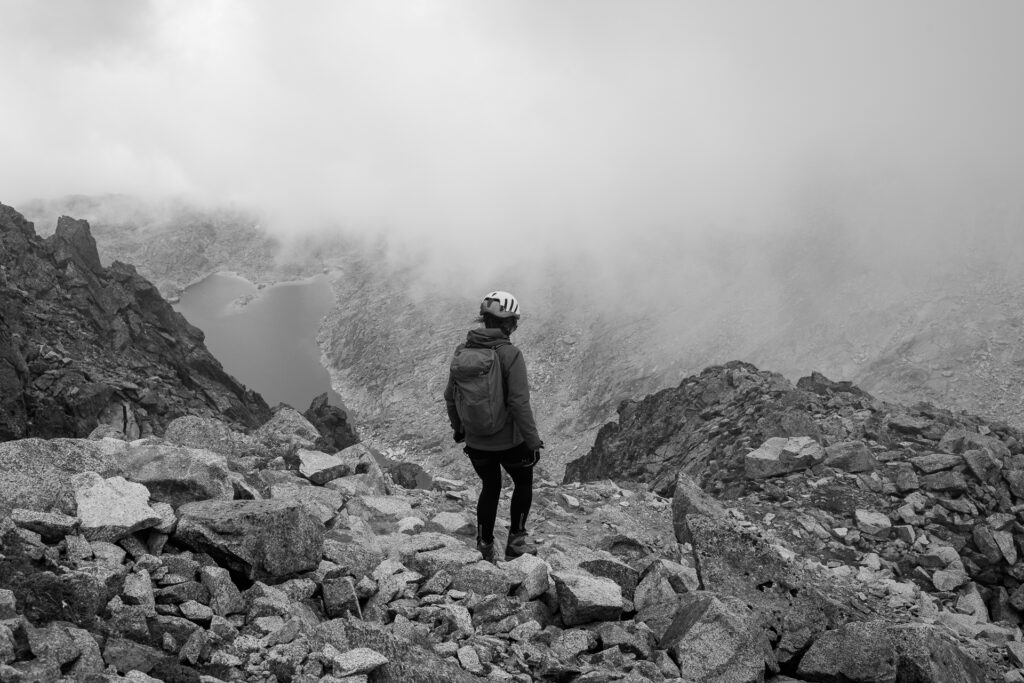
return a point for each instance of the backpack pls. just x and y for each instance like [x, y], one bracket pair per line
[479, 390]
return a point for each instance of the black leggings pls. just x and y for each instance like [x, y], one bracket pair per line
[488, 465]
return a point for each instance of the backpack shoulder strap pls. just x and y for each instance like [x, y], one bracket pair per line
[504, 370]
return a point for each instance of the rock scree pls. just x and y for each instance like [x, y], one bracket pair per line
[363, 580]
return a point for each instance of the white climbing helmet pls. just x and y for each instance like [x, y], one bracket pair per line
[500, 305]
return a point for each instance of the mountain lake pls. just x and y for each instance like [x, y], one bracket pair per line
[265, 337]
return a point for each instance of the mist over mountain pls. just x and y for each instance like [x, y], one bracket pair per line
[934, 319]
[666, 185]
[593, 128]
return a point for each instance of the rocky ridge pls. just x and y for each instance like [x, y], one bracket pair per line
[173, 242]
[202, 557]
[916, 495]
[83, 345]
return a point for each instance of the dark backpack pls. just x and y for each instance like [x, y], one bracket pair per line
[479, 390]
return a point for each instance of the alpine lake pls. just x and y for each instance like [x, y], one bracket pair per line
[265, 336]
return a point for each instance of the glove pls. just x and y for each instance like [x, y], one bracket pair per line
[459, 436]
[535, 459]
[534, 456]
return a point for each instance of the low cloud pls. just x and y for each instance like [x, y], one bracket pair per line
[508, 134]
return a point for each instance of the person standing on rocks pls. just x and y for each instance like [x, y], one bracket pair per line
[488, 399]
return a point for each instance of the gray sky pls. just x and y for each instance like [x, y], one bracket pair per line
[572, 122]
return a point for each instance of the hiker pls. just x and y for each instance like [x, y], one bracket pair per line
[488, 401]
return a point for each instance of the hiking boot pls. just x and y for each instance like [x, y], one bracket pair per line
[518, 545]
[487, 550]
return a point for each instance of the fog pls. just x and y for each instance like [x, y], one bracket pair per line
[636, 140]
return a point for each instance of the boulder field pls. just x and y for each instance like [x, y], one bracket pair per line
[212, 555]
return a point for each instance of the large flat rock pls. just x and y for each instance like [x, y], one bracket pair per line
[35, 474]
[381, 513]
[320, 502]
[260, 539]
[779, 455]
[113, 508]
[321, 468]
[195, 431]
[177, 475]
[583, 598]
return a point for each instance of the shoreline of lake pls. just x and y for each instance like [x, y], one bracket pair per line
[264, 334]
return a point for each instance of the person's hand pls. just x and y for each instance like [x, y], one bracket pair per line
[534, 456]
[459, 436]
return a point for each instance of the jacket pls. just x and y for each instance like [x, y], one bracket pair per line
[520, 425]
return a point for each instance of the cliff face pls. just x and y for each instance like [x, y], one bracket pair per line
[83, 345]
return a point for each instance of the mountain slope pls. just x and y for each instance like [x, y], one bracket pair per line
[82, 345]
[837, 474]
[905, 323]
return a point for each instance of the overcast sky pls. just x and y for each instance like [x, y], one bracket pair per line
[571, 118]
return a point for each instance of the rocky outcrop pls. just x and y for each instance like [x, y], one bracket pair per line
[724, 426]
[287, 428]
[921, 503]
[83, 345]
[708, 424]
[933, 493]
[172, 241]
[332, 422]
[734, 561]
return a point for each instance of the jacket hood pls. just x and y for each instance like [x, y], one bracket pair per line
[490, 337]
